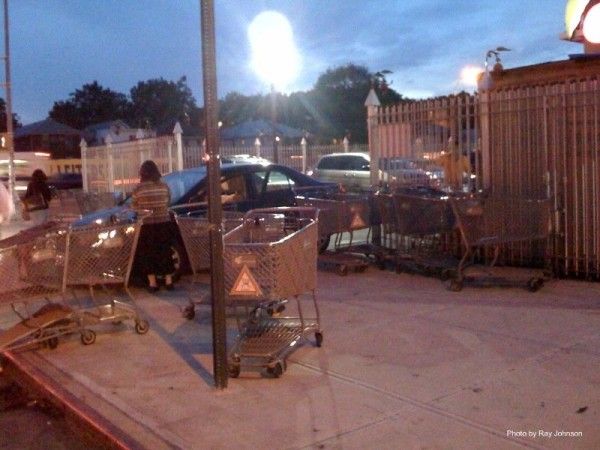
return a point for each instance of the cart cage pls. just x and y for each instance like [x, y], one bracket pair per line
[420, 216]
[493, 221]
[101, 255]
[94, 201]
[33, 269]
[340, 212]
[195, 234]
[272, 255]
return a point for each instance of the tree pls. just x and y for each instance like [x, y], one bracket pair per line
[338, 96]
[157, 101]
[90, 105]
[15, 118]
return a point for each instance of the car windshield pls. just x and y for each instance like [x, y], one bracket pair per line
[180, 183]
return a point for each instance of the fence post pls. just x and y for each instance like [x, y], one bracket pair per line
[257, 147]
[110, 163]
[84, 166]
[346, 143]
[303, 145]
[178, 132]
[372, 104]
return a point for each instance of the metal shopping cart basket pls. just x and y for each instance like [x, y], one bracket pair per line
[99, 260]
[194, 231]
[33, 270]
[268, 260]
[415, 229]
[489, 223]
[340, 216]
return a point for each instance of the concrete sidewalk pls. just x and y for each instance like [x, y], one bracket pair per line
[404, 364]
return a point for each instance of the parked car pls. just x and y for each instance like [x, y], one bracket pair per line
[65, 180]
[351, 170]
[244, 187]
[406, 172]
[244, 159]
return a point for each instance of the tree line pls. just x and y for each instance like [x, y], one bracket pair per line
[332, 109]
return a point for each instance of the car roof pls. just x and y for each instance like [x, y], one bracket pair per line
[338, 154]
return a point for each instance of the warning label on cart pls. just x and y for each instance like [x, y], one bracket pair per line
[246, 284]
[357, 221]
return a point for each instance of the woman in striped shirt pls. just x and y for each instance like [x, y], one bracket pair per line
[153, 256]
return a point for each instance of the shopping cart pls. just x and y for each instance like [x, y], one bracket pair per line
[100, 260]
[340, 216]
[194, 231]
[94, 201]
[33, 274]
[415, 229]
[489, 223]
[269, 259]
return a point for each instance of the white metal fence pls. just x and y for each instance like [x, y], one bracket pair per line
[114, 167]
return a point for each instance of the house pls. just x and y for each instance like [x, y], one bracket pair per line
[48, 136]
[118, 131]
[245, 133]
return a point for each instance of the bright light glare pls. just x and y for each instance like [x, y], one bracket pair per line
[591, 25]
[469, 75]
[275, 58]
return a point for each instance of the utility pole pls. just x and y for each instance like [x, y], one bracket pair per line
[215, 211]
[9, 122]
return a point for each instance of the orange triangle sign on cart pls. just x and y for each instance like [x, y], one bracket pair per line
[357, 221]
[246, 284]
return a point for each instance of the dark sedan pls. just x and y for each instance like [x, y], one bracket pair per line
[66, 180]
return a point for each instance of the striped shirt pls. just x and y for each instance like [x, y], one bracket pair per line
[153, 196]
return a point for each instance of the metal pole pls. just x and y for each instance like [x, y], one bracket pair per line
[274, 124]
[215, 213]
[9, 122]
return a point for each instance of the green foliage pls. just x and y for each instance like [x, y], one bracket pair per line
[89, 105]
[332, 109]
[157, 101]
[15, 118]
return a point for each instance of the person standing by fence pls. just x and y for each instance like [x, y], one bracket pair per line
[37, 198]
[153, 255]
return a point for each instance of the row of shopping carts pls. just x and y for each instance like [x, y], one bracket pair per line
[429, 231]
[45, 270]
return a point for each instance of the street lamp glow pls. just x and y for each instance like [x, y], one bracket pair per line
[275, 58]
[469, 75]
[591, 25]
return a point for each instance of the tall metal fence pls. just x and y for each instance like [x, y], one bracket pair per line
[442, 132]
[539, 141]
[545, 141]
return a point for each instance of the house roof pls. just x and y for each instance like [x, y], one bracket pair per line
[47, 126]
[106, 125]
[255, 128]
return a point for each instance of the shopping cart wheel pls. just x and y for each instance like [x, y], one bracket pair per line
[445, 274]
[142, 327]
[189, 312]
[234, 371]
[88, 337]
[534, 284]
[319, 338]
[276, 371]
[52, 342]
[342, 270]
[454, 285]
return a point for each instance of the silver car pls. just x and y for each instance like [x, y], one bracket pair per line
[350, 170]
